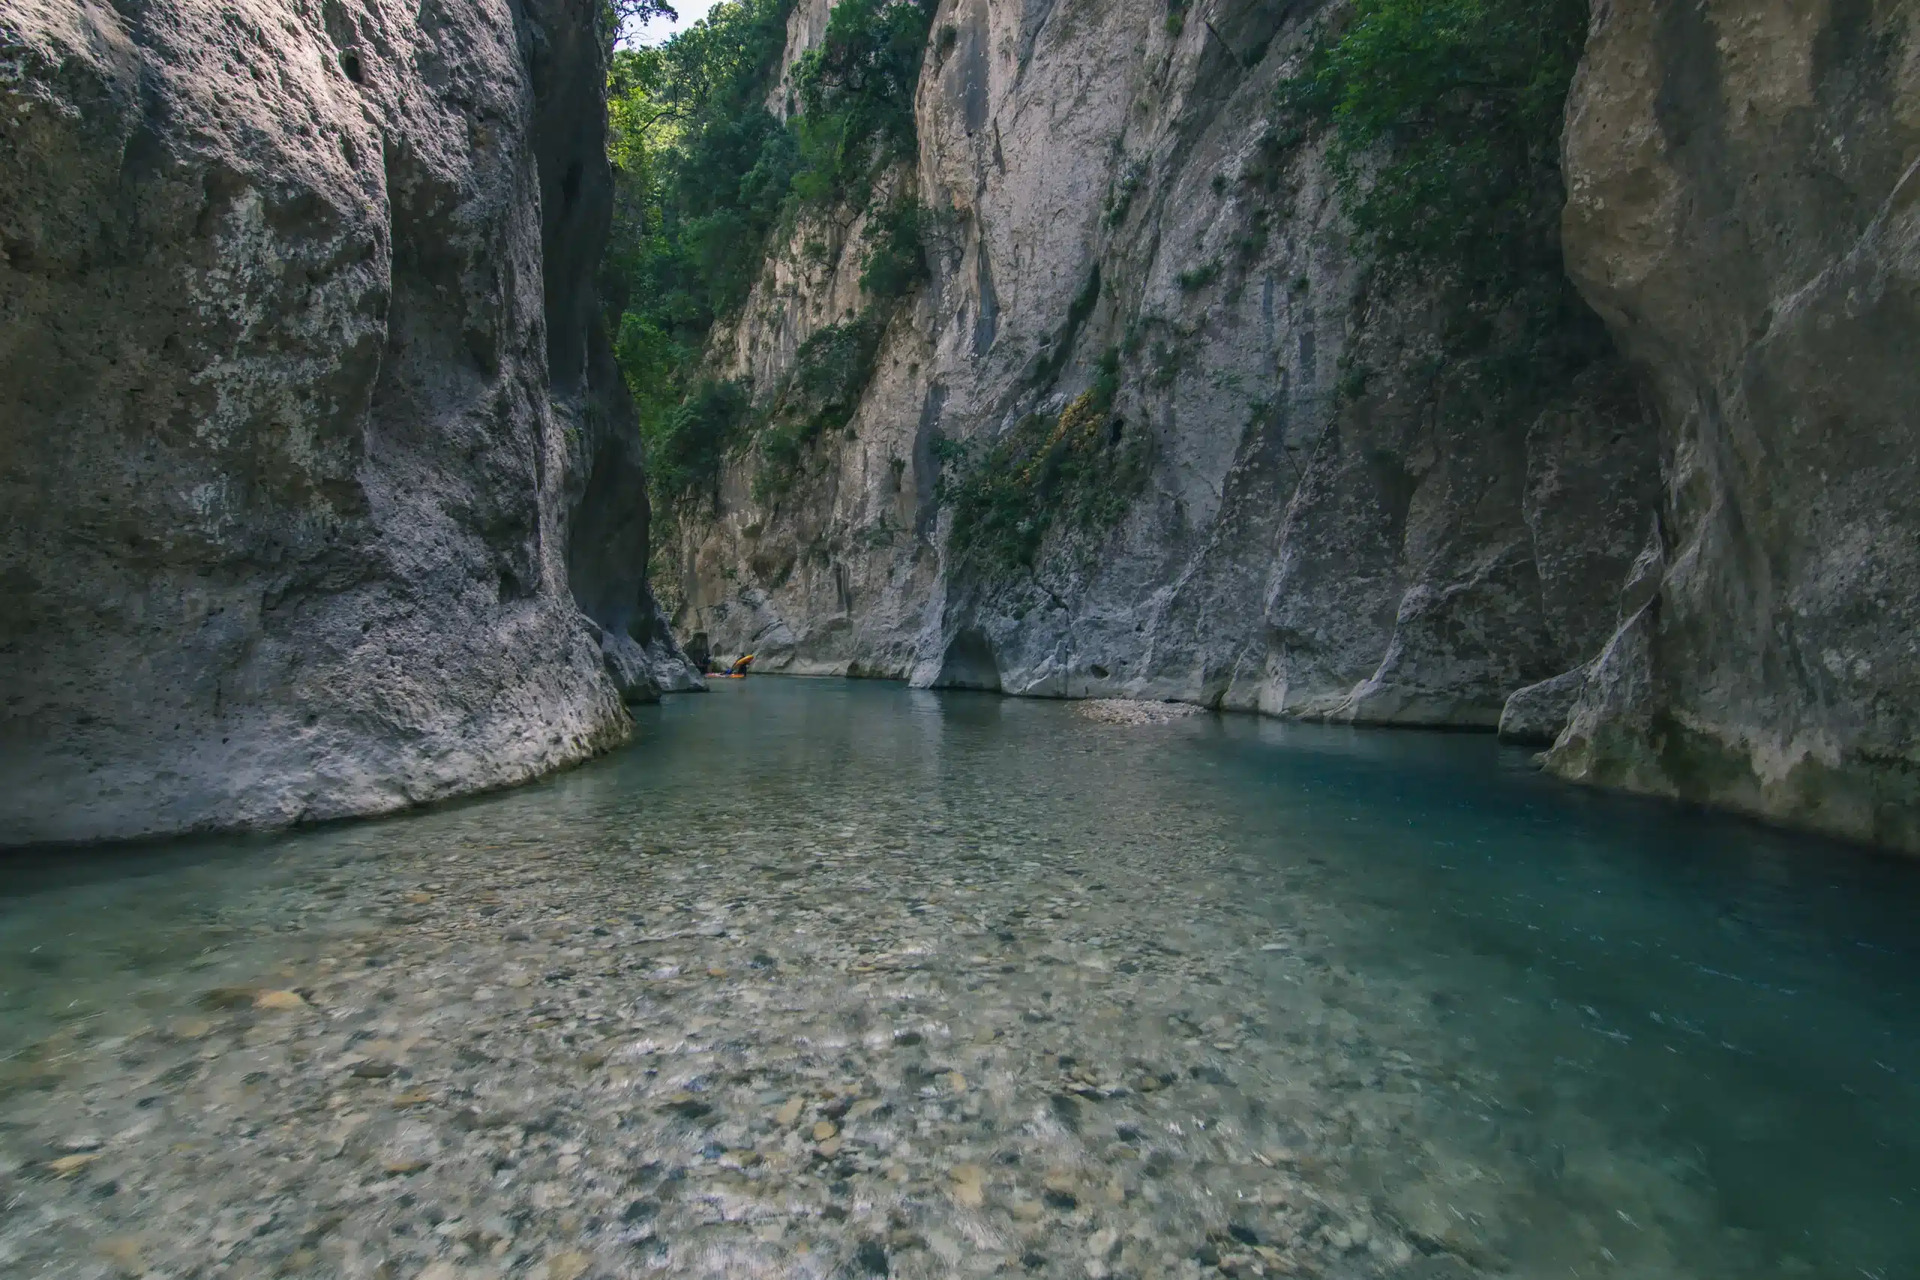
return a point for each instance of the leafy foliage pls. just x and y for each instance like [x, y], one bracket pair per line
[1445, 118]
[626, 11]
[1197, 278]
[705, 176]
[1120, 196]
[830, 371]
[856, 97]
[701, 172]
[688, 453]
[621, 16]
[1079, 471]
[896, 261]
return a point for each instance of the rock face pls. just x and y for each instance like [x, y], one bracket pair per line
[1111, 187]
[1694, 569]
[1744, 210]
[309, 439]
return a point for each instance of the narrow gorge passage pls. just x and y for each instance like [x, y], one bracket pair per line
[821, 978]
[1323, 594]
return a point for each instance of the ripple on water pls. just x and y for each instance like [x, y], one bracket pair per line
[829, 980]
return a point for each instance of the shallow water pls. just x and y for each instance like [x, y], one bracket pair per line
[824, 979]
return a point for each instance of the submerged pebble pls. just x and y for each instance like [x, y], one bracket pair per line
[862, 1017]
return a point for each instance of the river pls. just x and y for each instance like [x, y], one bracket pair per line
[821, 978]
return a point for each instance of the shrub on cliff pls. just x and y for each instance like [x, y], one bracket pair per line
[1444, 120]
[1078, 471]
[691, 446]
[830, 371]
[856, 97]
[896, 260]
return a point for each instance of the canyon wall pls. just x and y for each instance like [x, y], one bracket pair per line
[1687, 567]
[1744, 210]
[1103, 184]
[312, 451]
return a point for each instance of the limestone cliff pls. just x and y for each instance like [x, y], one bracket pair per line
[309, 437]
[1109, 186]
[1687, 566]
[1744, 209]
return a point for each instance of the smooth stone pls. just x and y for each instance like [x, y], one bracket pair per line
[968, 1187]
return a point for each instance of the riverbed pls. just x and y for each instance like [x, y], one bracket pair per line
[820, 978]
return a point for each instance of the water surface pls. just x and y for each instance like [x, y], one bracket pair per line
[825, 979]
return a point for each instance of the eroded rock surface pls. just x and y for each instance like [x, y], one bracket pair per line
[1114, 187]
[308, 435]
[1716, 524]
[1745, 212]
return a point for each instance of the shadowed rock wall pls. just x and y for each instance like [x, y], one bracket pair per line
[308, 433]
[1744, 181]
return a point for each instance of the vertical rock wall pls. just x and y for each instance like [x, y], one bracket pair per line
[1108, 185]
[1744, 210]
[1695, 569]
[308, 435]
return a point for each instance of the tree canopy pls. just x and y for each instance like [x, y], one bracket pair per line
[706, 174]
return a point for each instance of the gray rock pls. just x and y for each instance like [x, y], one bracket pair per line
[309, 436]
[1742, 211]
[645, 660]
[1366, 559]
[1538, 713]
[699, 651]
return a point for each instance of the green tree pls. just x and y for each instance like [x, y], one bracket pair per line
[701, 172]
[705, 175]
[856, 96]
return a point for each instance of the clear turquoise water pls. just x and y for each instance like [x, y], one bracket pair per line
[1414, 1010]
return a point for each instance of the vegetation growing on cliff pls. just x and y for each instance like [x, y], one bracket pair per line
[856, 97]
[855, 94]
[1078, 471]
[687, 450]
[1444, 119]
[701, 173]
[896, 260]
[706, 175]
[830, 371]
[832, 368]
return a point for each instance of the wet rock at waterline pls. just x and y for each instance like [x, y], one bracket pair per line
[309, 437]
[1538, 712]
